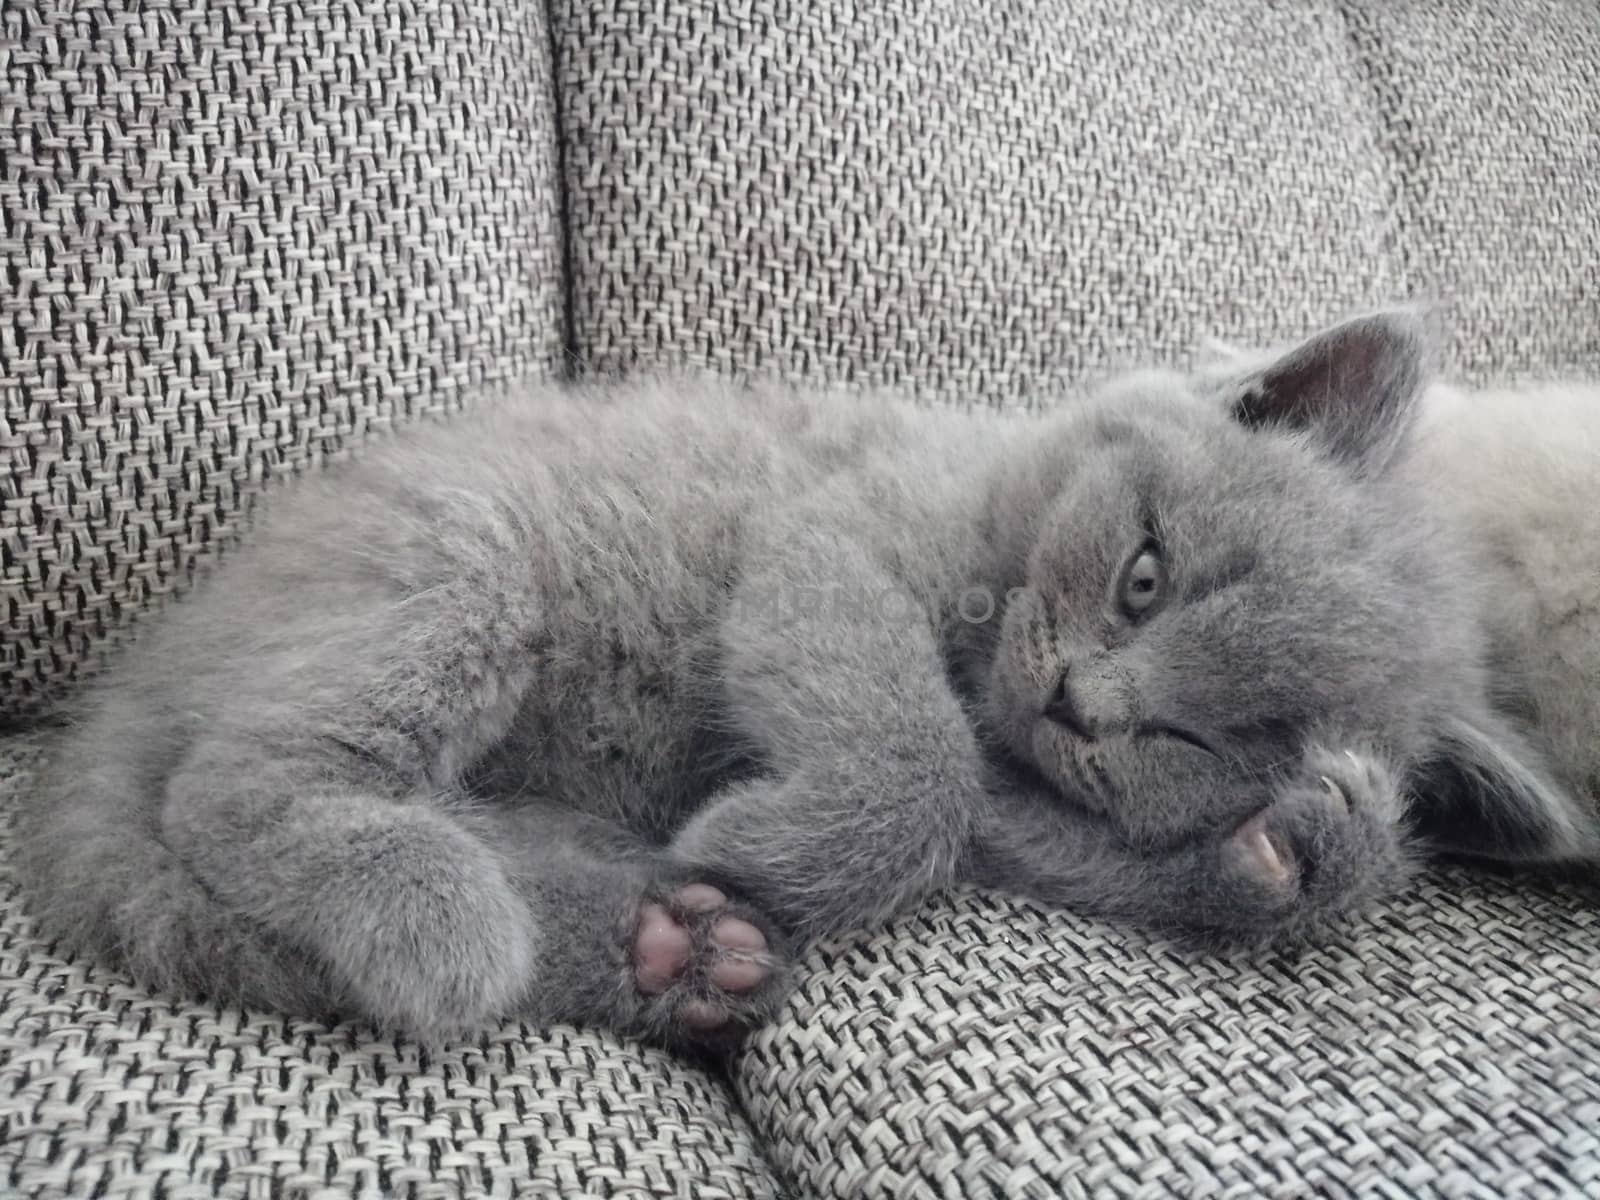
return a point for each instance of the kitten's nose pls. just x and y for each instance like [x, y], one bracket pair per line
[1095, 699]
[1064, 711]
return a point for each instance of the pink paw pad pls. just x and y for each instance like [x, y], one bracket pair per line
[731, 956]
[660, 950]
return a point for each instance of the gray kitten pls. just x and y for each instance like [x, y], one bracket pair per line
[598, 704]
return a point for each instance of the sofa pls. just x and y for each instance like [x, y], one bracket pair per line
[237, 241]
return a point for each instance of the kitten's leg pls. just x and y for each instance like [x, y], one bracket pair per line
[388, 904]
[313, 805]
[1330, 838]
[836, 675]
[435, 917]
[287, 826]
[630, 940]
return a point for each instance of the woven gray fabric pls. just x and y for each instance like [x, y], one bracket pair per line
[976, 202]
[106, 1090]
[969, 201]
[1492, 122]
[1450, 1046]
[234, 238]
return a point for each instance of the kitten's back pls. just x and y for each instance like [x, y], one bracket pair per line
[1522, 467]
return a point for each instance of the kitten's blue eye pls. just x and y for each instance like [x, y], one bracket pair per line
[1143, 583]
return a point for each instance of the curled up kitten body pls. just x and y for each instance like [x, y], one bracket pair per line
[598, 704]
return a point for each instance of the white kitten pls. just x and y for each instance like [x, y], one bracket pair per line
[1521, 465]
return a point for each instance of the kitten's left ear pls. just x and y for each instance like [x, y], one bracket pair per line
[1353, 387]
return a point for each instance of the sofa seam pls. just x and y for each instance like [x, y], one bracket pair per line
[571, 361]
[1401, 203]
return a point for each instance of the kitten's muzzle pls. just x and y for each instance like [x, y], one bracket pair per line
[1097, 700]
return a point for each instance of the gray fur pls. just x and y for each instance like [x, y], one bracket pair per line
[421, 750]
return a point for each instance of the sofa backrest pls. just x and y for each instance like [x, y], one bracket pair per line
[979, 201]
[234, 239]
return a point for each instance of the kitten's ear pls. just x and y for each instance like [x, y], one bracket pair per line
[1487, 794]
[1353, 386]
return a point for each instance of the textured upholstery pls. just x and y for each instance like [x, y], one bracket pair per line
[235, 238]
[1449, 1046]
[973, 201]
[1491, 125]
[966, 200]
[106, 1090]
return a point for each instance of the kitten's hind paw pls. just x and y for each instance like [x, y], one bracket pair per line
[705, 969]
[1331, 839]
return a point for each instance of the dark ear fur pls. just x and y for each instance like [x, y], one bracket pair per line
[1486, 795]
[1353, 386]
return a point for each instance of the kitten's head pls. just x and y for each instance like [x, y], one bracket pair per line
[1221, 568]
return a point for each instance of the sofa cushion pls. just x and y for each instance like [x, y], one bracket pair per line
[1491, 124]
[109, 1090]
[1446, 1046]
[234, 239]
[970, 201]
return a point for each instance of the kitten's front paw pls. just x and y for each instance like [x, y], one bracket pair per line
[1331, 839]
[705, 969]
